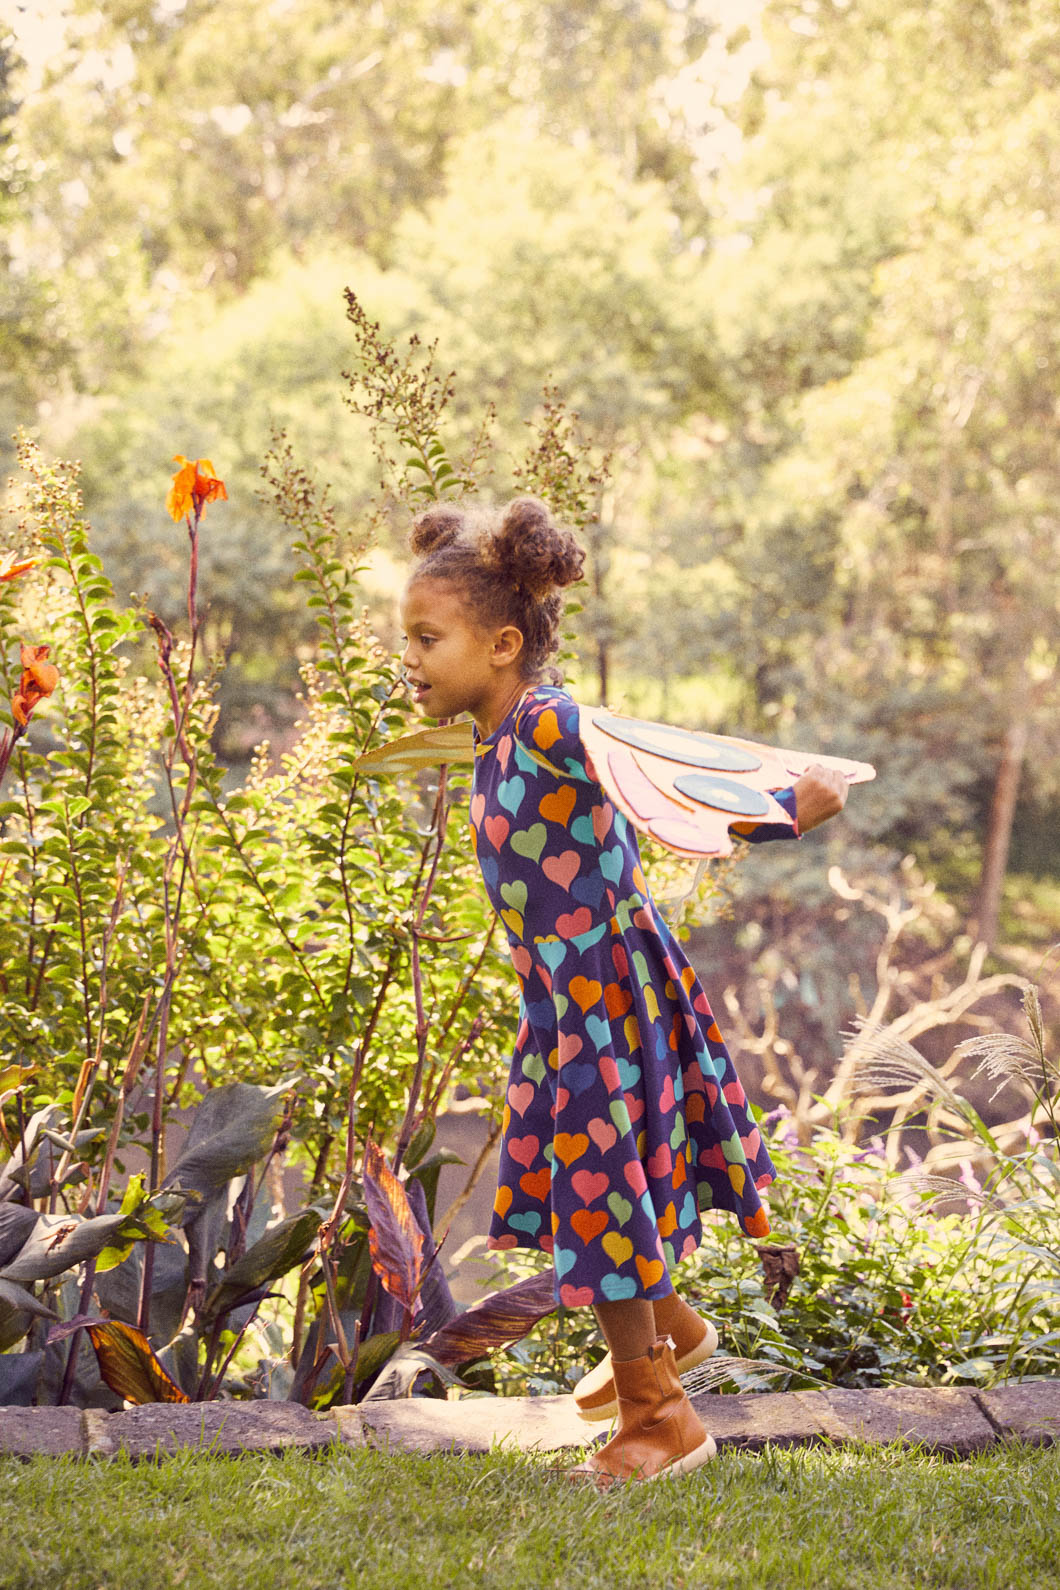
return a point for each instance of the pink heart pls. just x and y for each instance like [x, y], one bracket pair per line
[575, 1296]
[521, 1096]
[635, 1107]
[702, 1004]
[691, 1023]
[712, 1093]
[752, 1143]
[510, 1240]
[603, 817]
[546, 977]
[693, 1078]
[634, 1173]
[734, 1092]
[504, 751]
[661, 1163]
[602, 1132]
[641, 919]
[609, 1073]
[562, 869]
[712, 1156]
[524, 1150]
[569, 1046]
[548, 1243]
[521, 960]
[572, 922]
[667, 1101]
[562, 1100]
[589, 1184]
[497, 829]
[618, 955]
[478, 806]
[690, 1246]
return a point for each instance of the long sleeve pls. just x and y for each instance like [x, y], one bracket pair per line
[758, 833]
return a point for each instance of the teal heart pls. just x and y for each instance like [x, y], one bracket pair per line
[585, 941]
[599, 1030]
[529, 842]
[628, 1074]
[552, 954]
[510, 792]
[524, 761]
[677, 1136]
[647, 1205]
[621, 825]
[668, 1254]
[617, 1287]
[732, 1148]
[640, 965]
[529, 1222]
[581, 829]
[611, 863]
[679, 1087]
[620, 1117]
[562, 1258]
[534, 1067]
[515, 894]
[689, 1212]
[620, 1207]
[560, 1003]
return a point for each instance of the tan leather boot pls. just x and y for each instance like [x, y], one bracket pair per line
[595, 1397]
[659, 1432]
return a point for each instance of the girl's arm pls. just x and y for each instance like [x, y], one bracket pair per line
[819, 794]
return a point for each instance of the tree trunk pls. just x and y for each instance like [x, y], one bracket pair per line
[999, 831]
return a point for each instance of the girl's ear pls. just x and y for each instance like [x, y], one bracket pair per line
[507, 644]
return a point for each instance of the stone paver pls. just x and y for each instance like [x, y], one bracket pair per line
[954, 1421]
[25, 1432]
[222, 1427]
[475, 1424]
[1030, 1411]
[944, 1419]
[751, 1420]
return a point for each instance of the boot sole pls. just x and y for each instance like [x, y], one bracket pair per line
[603, 1481]
[695, 1356]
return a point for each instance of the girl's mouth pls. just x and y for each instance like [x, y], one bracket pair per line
[419, 690]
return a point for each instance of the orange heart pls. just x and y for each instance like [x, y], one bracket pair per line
[695, 1107]
[569, 1148]
[668, 1221]
[589, 1223]
[546, 731]
[688, 977]
[617, 1000]
[503, 1201]
[536, 1183]
[650, 1271]
[757, 1224]
[585, 993]
[557, 806]
[680, 1170]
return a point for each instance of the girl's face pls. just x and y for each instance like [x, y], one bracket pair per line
[452, 663]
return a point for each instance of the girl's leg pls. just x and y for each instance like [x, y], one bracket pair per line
[628, 1327]
[675, 1318]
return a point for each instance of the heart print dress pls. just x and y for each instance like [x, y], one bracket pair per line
[624, 1116]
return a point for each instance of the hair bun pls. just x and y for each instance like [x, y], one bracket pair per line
[531, 550]
[438, 526]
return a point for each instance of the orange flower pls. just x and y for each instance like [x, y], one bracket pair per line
[39, 679]
[194, 485]
[14, 569]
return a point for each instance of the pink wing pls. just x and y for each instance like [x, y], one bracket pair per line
[686, 790]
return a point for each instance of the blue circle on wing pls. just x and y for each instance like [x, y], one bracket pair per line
[679, 745]
[723, 794]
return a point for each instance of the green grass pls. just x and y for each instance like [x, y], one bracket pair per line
[846, 1519]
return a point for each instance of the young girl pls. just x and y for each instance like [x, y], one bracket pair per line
[624, 1115]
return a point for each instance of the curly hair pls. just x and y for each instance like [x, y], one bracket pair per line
[510, 565]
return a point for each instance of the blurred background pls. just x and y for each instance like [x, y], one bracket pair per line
[797, 268]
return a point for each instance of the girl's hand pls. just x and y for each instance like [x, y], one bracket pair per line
[820, 793]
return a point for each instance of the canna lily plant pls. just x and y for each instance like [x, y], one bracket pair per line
[39, 676]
